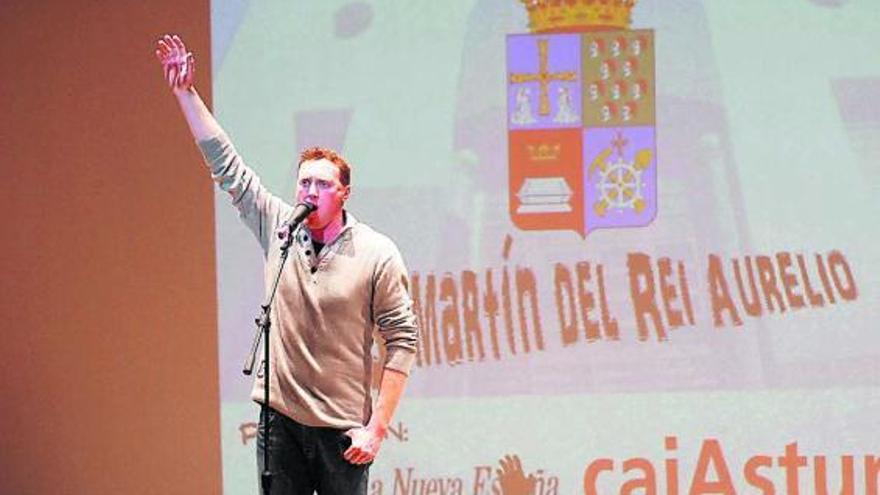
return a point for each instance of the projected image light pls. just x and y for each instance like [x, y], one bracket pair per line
[642, 256]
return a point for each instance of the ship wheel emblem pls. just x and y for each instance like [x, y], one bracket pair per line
[620, 184]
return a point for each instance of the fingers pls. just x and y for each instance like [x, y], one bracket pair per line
[363, 449]
[161, 48]
[357, 455]
[183, 73]
[508, 463]
[178, 43]
[170, 43]
[178, 64]
[164, 52]
[517, 465]
[190, 71]
[171, 72]
[164, 48]
[176, 52]
[171, 48]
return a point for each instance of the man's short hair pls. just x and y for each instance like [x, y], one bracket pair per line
[318, 153]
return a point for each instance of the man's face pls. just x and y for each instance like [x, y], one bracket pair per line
[318, 183]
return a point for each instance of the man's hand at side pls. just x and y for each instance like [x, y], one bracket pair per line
[365, 443]
[366, 440]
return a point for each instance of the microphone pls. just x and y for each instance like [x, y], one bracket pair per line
[300, 212]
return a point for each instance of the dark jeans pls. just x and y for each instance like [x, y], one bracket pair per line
[305, 459]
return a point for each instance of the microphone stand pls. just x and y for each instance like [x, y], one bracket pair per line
[263, 325]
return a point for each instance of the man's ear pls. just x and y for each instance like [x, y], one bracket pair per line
[347, 193]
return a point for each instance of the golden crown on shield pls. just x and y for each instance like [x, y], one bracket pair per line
[571, 16]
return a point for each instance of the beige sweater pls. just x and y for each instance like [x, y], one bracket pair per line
[327, 305]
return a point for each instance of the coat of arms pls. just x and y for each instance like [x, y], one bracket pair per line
[581, 118]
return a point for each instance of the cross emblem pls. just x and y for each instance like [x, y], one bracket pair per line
[543, 77]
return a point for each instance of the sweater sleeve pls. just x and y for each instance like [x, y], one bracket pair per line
[393, 313]
[258, 208]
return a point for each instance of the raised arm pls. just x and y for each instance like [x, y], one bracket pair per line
[260, 210]
[179, 68]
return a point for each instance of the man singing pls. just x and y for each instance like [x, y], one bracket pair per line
[342, 281]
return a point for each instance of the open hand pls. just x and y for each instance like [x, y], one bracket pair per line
[513, 479]
[178, 64]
